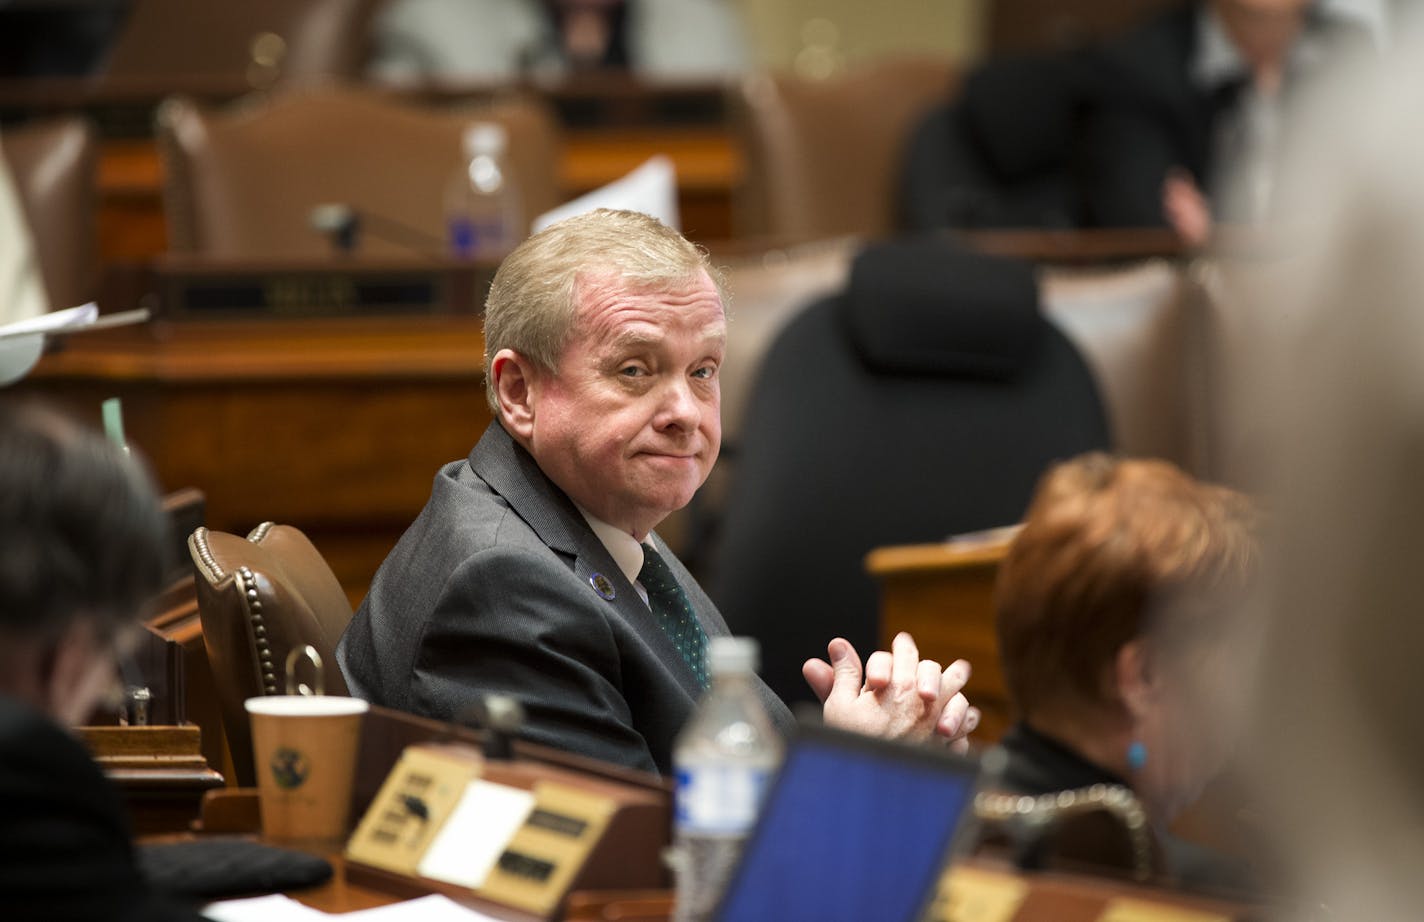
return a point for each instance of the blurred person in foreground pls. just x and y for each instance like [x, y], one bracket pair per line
[1117, 619]
[1339, 743]
[535, 569]
[82, 539]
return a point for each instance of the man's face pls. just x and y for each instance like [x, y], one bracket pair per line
[630, 425]
[1263, 31]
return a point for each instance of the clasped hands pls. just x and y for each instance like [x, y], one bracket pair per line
[897, 695]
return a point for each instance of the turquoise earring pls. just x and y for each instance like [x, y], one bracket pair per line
[1136, 755]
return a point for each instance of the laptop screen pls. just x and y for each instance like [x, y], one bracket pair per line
[853, 828]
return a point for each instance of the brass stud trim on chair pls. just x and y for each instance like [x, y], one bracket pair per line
[259, 534]
[1048, 808]
[215, 572]
[247, 591]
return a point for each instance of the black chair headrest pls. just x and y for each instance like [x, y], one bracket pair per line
[926, 305]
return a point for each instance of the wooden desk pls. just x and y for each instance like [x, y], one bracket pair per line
[1039, 897]
[160, 771]
[335, 426]
[943, 594]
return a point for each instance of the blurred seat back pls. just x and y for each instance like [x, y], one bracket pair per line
[260, 598]
[823, 156]
[255, 42]
[924, 400]
[243, 183]
[1140, 328]
[54, 162]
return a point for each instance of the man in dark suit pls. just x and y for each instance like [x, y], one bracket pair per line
[534, 569]
[81, 551]
[1194, 114]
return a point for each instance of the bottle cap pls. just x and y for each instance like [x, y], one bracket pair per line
[488, 138]
[732, 654]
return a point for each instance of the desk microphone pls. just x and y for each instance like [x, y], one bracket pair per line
[342, 223]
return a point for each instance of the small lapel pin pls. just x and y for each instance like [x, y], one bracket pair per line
[603, 586]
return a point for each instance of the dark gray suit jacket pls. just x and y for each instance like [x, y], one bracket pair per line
[492, 590]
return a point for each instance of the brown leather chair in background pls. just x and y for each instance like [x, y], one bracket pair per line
[255, 42]
[243, 183]
[260, 598]
[53, 162]
[823, 155]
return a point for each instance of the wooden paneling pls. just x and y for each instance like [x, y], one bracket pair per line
[707, 160]
[337, 426]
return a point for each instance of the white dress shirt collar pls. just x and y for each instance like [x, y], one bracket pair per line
[626, 550]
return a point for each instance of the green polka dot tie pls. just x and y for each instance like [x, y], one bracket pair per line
[674, 612]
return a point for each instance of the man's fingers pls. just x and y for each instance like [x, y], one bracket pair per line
[956, 674]
[846, 674]
[905, 661]
[952, 717]
[927, 681]
[821, 676]
[878, 670]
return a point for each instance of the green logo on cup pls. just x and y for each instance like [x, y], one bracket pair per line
[289, 768]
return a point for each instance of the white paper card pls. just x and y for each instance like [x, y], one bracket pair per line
[471, 840]
[274, 908]
[651, 189]
[435, 908]
[52, 321]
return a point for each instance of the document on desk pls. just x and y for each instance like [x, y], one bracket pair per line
[279, 908]
[274, 908]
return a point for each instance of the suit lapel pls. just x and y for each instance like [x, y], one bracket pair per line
[513, 474]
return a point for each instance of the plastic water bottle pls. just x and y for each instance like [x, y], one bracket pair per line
[482, 206]
[723, 760]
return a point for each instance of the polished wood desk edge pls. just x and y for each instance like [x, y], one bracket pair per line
[412, 348]
[155, 741]
[911, 559]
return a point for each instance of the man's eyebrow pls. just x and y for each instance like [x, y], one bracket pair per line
[627, 338]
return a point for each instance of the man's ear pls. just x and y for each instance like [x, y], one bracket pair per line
[1136, 678]
[516, 390]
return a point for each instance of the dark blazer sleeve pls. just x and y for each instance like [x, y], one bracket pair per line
[509, 621]
[65, 847]
[1147, 119]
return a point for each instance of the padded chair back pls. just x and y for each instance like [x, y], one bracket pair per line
[243, 183]
[259, 598]
[54, 163]
[824, 155]
[256, 41]
[923, 401]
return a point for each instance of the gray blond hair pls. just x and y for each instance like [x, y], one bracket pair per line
[532, 301]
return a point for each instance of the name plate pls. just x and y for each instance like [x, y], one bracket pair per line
[193, 290]
[417, 797]
[540, 861]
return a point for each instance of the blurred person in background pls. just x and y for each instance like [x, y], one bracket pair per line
[474, 40]
[82, 539]
[1202, 90]
[1119, 622]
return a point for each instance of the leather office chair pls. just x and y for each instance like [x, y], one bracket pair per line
[53, 162]
[923, 401]
[1103, 830]
[823, 155]
[1004, 152]
[255, 43]
[259, 598]
[242, 183]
